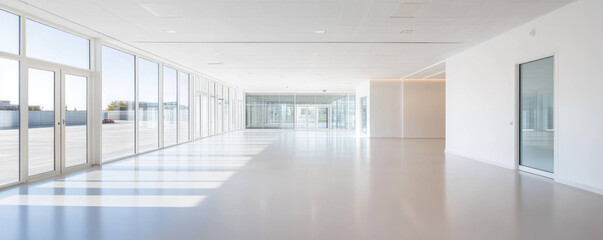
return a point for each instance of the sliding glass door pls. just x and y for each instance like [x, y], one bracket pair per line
[536, 115]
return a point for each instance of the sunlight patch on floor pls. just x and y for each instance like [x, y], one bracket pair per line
[103, 200]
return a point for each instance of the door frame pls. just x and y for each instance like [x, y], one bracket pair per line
[316, 107]
[329, 116]
[24, 121]
[88, 163]
[296, 116]
[59, 132]
[517, 136]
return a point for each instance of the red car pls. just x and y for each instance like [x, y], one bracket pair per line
[108, 121]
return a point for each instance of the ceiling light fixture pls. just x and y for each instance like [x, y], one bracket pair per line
[320, 31]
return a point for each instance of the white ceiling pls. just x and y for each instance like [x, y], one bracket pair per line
[270, 45]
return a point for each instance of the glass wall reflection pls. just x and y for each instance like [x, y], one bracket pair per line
[290, 111]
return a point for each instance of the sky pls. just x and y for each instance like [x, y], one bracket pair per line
[53, 45]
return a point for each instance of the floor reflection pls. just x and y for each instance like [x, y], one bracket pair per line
[271, 184]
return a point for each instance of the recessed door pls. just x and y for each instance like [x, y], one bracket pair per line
[536, 115]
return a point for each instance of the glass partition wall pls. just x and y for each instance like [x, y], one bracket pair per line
[300, 111]
[68, 102]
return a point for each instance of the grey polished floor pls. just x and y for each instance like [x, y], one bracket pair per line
[271, 184]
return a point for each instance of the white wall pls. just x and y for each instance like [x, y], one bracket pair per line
[480, 93]
[424, 108]
[386, 108]
[402, 109]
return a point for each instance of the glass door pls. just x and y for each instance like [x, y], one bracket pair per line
[300, 118]
[57, 121]
[74, 115]
[536, 115]
[323, 117]
[311, 118]
[43, 121]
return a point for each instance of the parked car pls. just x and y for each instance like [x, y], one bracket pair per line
[108, 121]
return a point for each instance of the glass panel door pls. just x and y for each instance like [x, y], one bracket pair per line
[9, 120]
[311, 118]
[536, 129]
[75, 117]
[300, 118]
[323, 117]
[43, 121]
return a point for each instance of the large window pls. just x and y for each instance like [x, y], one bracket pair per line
[148, 105]
[9, 121]
[9, 29]
[302, 111]
[55, 67]
[118, 131]
[183, 105]
[50, 44]
[170, 104]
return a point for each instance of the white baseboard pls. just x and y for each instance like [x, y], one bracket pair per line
[512, 167]
[579, 185]
[507, 166]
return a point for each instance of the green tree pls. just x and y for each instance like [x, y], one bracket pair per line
[115, 105]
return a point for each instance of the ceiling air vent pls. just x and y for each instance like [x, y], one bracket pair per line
[408, 10]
